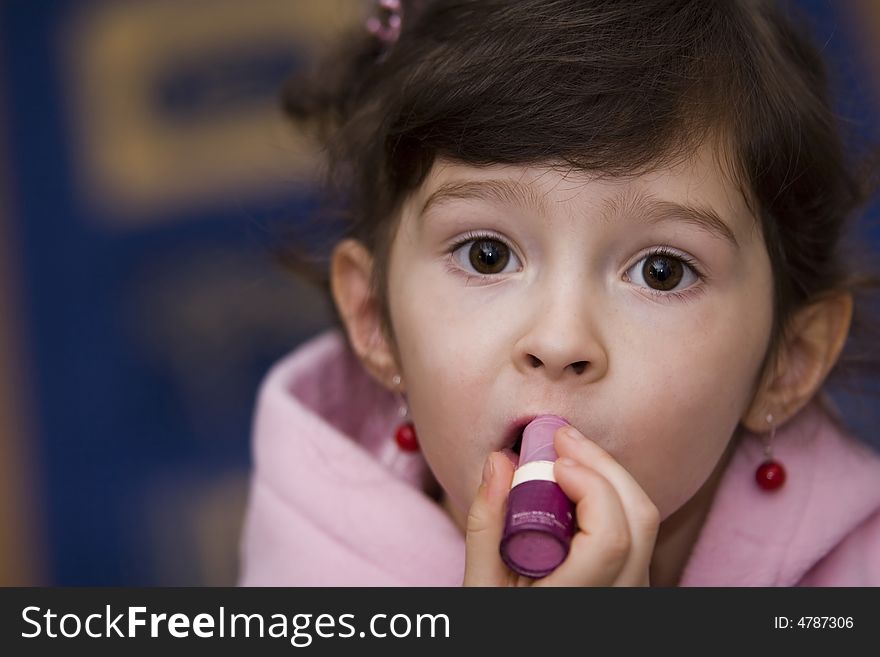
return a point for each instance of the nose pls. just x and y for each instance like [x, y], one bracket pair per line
[562, 342]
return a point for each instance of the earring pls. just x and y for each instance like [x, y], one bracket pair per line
[770, 475]
[405, 436]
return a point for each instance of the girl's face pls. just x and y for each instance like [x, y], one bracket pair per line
[639, 309]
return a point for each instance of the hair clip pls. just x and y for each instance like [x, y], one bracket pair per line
[386, 24]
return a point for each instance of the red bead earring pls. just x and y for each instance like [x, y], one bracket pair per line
[770, 475]
[405, 436]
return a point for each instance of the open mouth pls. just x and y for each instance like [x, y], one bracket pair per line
[514, 441]
[517, 445]
[511, 445]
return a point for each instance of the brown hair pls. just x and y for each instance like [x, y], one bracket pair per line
[612, 87]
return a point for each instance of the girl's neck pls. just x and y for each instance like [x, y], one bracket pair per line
[676, 536]
[458, 517]
[679, 532]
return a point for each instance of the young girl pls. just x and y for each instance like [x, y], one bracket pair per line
[629, 215]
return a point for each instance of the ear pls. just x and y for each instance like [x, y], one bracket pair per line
[809, 350]
[351, 271]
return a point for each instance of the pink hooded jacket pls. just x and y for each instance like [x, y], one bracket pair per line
[334, 502]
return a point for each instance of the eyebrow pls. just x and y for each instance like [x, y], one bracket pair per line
[649, 210]
[502, 192]
[644, 208]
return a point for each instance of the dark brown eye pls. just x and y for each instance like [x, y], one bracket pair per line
[489, 256]
[662, 272]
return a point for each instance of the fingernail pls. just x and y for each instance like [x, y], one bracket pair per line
[571, 433]
[566, 462]
[488, 469]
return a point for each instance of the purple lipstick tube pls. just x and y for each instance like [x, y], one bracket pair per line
[539, 523]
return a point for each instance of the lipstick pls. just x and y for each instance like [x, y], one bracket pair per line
[539, 522]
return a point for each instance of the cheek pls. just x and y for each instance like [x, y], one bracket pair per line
[676, 450]
[448, 390]
[685, 406]
[449, 436]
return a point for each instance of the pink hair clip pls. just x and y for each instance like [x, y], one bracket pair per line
[386, 25]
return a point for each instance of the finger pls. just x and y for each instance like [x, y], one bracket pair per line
[641, 513]
[600, 548]
[485, 525]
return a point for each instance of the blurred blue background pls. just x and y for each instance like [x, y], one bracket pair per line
[144, 170]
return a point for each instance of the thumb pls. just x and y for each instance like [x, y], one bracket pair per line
[485, 524]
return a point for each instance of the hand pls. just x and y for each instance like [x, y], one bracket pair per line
[617, 522]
